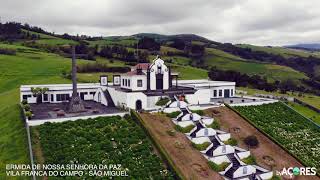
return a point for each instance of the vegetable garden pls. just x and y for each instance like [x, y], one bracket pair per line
[104, 140]
[291, 130]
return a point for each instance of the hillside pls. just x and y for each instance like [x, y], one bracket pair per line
[310, 47]
[283, 51]
[184, 52]
[181, 50]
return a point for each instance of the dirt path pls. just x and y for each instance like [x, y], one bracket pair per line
[188, 160]
[267, 152]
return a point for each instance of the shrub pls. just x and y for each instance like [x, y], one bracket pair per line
[184, 129]
[249, 160]
[173, 114]
[162, 101]
[275, 177]
[171, 132]
[218, 167]
[66, 74]
[201, 147]
[200, 112]
[24, 102]
[26, 107]
[96, 67]
[7, 51]
[251, 141]
[231, 141]
[214, 125]
[28, 114]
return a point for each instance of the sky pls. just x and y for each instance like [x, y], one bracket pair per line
[259, 22]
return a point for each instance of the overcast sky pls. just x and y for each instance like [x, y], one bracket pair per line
[260, 22]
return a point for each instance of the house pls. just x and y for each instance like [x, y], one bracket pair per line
[138, 89]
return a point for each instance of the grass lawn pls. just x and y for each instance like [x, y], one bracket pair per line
[187, 72]
[309, 113]
[179, 60]
[308, 98]
[93, 77]
[29, 66]
[13, 139]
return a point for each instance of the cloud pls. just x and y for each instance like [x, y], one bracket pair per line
[263, 22]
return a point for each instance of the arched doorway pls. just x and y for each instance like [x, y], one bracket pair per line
[138, 105]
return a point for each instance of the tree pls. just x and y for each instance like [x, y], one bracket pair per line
[251, 141]
[38, 92]
[149, 43]
[178, 44]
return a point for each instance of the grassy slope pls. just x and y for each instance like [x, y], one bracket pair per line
[29, 66]
[306, 112]
[51, 40]
[187, 72]
[308, 98]
[226, 61]
[109, 41]
[286, 52]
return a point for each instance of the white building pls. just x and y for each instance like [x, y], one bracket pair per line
[138, 89]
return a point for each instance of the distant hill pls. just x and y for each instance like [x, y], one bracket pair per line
[313, 46]
[185, 37]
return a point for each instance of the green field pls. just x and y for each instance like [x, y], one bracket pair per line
[307, 98]
[309, 113]
[294, 132]
[187, 72]
[285, 52]
[179, 60]
[93, 77]
[165, 49]
[110, 41]
[51, 40]
[226, 61]
[271, 71]
[29, 66]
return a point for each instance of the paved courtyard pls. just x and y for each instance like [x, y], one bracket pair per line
[59, 110]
